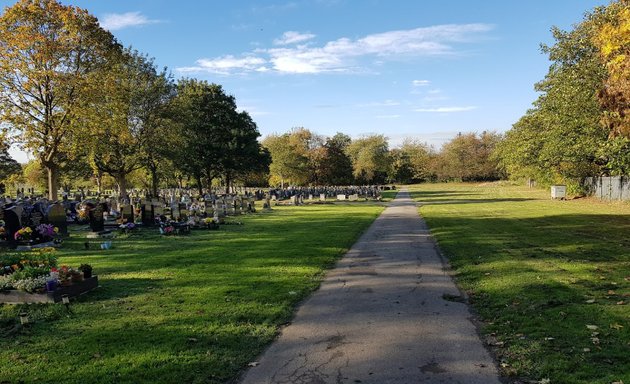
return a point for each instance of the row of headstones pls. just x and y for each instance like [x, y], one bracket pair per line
[15, 217]
[149, 211]
[362, 191]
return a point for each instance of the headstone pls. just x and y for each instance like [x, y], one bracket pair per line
[341, 197]
[322, 197]
[354, 197]
[97, 222]
[148, 217]
[126, 213]
[310, 197]
[57, 217]
[175, 215]
[294, 200]
[11, 224]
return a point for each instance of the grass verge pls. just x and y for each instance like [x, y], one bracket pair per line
[189, 309]
[550, 279]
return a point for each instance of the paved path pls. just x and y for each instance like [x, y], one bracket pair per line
[380, 317]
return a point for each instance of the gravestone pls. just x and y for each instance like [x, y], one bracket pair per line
[57, 217]
[294, 200]
[209, 208]
[126, 213]
[322, 197]
[97, 221]
[11, 224]
[19, 211]
[341, 197]
[354, 197]
[148, 216]
[175, 215]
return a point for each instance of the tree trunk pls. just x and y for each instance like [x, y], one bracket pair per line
[53, 181]
[98, 177]
[154, 181]
[227, 182]
[199, 185]
[121, 181]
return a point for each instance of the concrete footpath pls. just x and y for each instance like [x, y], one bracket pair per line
[380, 316]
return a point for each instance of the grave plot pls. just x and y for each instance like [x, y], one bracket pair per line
[35, 277]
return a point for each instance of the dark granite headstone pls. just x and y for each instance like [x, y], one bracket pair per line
[97, 222]
[11, 224]
[148, 217]
[57, 217]
[126, 213]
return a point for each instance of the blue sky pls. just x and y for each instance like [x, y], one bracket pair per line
[419, 69]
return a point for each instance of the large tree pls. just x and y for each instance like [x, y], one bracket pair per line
[291, 156]
[370, 158]
[560, 138]
[48, 52]
[214, 140]
[127, 124]
[116, 120]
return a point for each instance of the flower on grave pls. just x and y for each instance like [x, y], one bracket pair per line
[23, 234]
[47, 231]
[83, 214]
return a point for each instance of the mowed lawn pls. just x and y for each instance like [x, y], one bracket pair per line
[181, 309]
[550, 279]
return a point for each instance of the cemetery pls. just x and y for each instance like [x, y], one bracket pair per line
[152, 232]
[32, 228]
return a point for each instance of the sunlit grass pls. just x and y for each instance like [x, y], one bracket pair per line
[189, 309]
[538, 272]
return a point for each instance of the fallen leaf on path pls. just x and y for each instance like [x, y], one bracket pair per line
[592, 327]
[620, 302]
[586, 349]
[591, 301]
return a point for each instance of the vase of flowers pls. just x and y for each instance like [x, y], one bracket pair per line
[23, 234]
[47, 231]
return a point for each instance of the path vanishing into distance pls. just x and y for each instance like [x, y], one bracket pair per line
[380, 316]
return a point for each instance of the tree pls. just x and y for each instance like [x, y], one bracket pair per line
[125, 121]
[214, 138]
[612, 39]
[560, 138]
[48, 53]
[335, 167]
[467, 157]
[241, 152]
[370, 158]
[290, 156]
[410, 162]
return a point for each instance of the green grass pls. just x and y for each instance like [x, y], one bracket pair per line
[538, 272]
[194, 309]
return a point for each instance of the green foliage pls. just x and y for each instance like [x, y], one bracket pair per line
[194, 309]
[370, 159]
[561, 140]
[411, 162]
[539, 272]
[48, 53]
[214, 139]
[468, 157]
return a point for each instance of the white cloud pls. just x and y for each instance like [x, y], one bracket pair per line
[343, 54]
[386, 103]
[445, 109]
[292, 37]
[116, 21]
[420, 83]
[228, 64]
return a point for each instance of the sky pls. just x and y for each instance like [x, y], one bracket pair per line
[417, 69]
